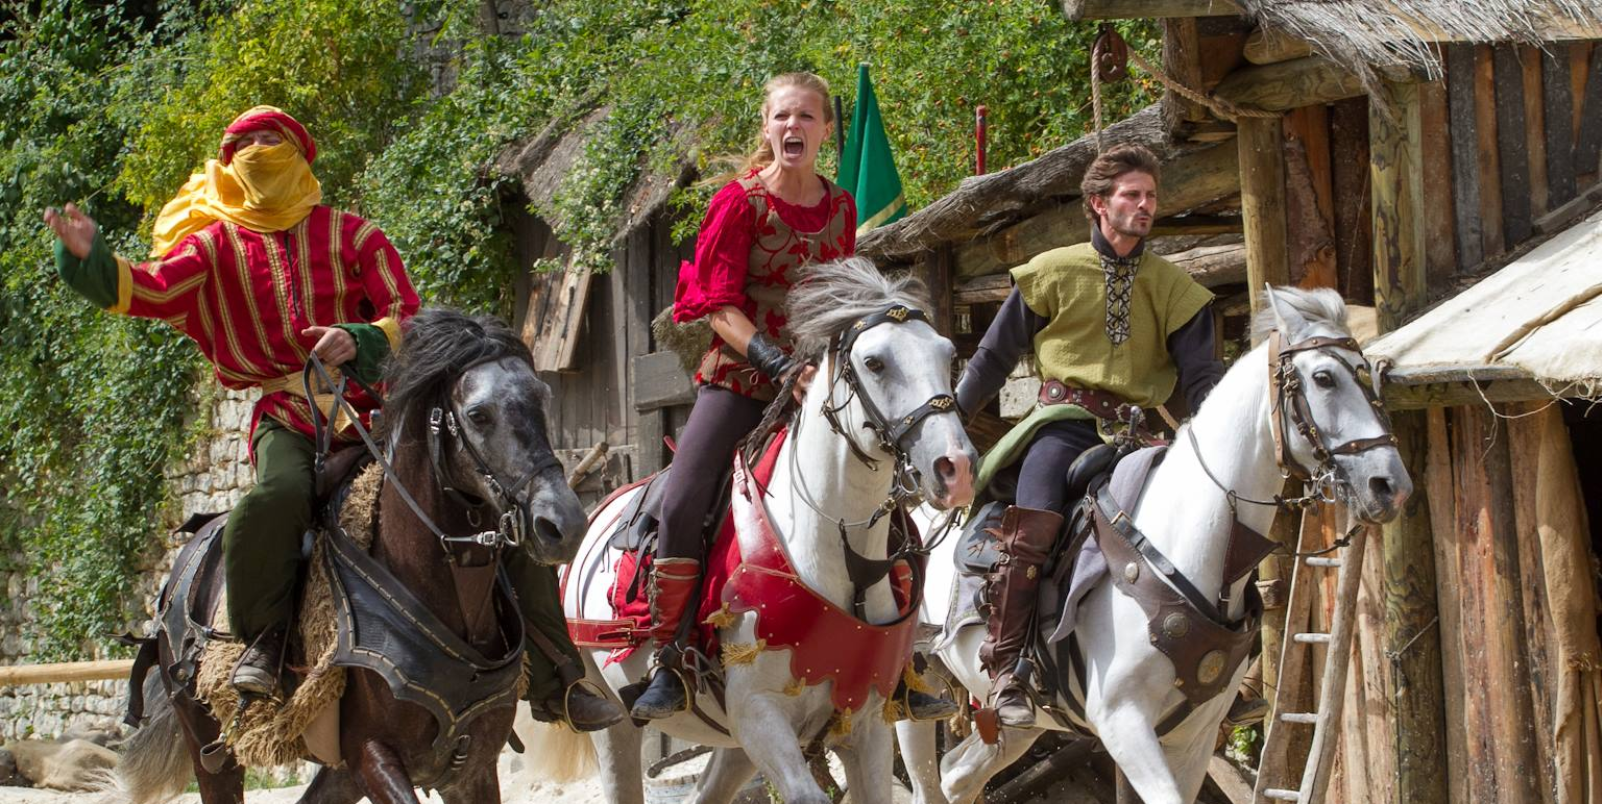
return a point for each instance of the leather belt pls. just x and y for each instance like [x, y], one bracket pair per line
[1101, 404]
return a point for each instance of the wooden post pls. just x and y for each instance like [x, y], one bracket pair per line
[1414, 687]
[1264, 222]
[1397, 206]
[1181, 60]
[936, 272]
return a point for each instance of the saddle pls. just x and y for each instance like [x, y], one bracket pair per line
[977, 549]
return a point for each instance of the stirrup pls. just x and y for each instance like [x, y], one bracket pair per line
[565, 717]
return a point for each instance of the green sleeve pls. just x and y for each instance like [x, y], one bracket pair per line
[372, 348]
[95, 276]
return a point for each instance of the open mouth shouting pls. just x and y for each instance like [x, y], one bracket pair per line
[794, 146]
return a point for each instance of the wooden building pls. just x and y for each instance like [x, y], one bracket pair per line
[1438, 163]
[590, 332]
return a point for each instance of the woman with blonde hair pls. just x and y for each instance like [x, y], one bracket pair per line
[775, 217]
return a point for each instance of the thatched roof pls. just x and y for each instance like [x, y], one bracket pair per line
[543, 161]
[983, 204]
[1396, 35]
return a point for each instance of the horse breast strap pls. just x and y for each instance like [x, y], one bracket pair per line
[1182, 624]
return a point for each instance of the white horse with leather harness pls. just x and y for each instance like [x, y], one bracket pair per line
[1314, 415]
[877, 428]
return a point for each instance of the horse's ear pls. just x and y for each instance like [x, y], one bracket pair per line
[1275, 310]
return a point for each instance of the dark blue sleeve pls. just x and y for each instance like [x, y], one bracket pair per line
[1012, 335]
[1192, 348]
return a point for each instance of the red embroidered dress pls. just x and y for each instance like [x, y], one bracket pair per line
[244, 297]
[751, 250]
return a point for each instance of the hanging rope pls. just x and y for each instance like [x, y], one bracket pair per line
[1109, 53]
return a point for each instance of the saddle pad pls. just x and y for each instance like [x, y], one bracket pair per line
[1130, 477]
[722, 559]
[266, 734]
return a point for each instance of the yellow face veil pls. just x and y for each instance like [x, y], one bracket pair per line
[262, 188]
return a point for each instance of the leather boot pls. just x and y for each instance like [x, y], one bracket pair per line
[584, 710]
[258, 669]
[674, 584]
[1025, 536]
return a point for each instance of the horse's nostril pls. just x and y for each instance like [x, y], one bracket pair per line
[1381, 487]
[944, 468]
[548, 530]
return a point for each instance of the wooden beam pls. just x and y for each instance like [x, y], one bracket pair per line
[1189, 180]
[1464, 142]
[1272, 46]
[1350, 192]
[1437, 180]
[1557, 147]
[18, 674]
[1210, 266]
[1183, 61]
[1264, 221]
[1492, 231]
[937, 274]
[1531, 73]
[1414, 687]
[1077, 10]
[1289, 84]
[1587, 137]
[1397, 207]
[1516, 181]
[649, 425]
[1450, 393]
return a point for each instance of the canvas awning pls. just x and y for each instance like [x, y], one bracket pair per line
[1533, 329]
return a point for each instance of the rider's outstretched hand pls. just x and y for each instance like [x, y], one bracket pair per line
[804, 378]
[75, 229]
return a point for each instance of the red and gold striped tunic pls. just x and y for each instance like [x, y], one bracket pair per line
[245, 297]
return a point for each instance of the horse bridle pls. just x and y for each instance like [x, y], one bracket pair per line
[1297, 418]
[516, 519]
[862, 571]
[1285, 384]
[889, 434]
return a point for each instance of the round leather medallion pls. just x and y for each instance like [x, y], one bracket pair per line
[1210, 667]
[1131, 571]
[1176, 625]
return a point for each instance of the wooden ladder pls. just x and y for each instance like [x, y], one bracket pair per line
[1276, 781]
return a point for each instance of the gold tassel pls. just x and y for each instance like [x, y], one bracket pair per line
[915, 681]
[723, 618]
[742, 654]
[890, 711]
[796, 687]
[843, 723]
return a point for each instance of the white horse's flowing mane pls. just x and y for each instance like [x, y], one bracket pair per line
[833, 295]
[1313, 307]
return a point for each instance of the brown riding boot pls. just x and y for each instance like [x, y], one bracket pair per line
[1026, 535]
[258, 670]
[674, 585]
[584, 710]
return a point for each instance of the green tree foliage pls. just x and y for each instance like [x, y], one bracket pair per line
[114, 104]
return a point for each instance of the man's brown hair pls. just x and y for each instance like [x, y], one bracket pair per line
[1110, 165]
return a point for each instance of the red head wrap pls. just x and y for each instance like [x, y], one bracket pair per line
[267, 118]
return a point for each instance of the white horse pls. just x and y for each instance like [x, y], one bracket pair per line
[1130, 686]
[885, 376]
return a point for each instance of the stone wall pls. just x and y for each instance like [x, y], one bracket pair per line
[213, 479]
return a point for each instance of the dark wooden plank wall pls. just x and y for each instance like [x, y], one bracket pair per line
[595, 402]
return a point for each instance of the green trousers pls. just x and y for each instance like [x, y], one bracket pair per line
[262, 558]
[262, 539]
[540, 602]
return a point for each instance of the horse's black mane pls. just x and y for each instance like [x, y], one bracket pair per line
[438, 344]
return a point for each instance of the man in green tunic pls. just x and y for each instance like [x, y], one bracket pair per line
[1110, 325]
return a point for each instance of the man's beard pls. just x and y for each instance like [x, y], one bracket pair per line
[1129, 227]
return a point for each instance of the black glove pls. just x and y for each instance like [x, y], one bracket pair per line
[768, 358]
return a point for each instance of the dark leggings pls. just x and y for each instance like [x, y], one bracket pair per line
[1047, 460]
[719, 420]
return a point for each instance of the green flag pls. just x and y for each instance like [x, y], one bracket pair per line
[867, 170]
